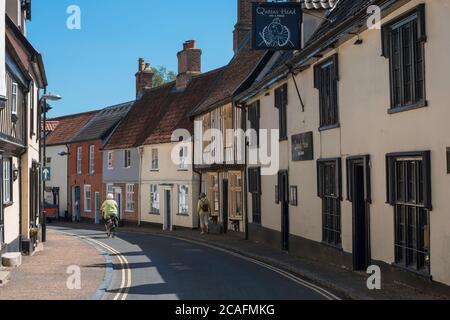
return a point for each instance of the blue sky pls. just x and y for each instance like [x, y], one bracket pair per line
[94, 67]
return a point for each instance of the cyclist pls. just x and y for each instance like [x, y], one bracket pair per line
[110, 209]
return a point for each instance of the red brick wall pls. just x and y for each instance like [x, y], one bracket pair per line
[95, 180]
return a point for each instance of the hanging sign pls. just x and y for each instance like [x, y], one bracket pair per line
[277, 25]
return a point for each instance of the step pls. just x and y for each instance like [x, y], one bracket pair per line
[12, 259]
[4, 277]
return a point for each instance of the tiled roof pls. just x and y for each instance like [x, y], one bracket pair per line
[343, 11]
[319, 4]
[67, 128]
[102, 124]
[233, 76]
[161, 111]
[51, 125]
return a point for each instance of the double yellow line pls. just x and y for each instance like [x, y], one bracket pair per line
[125, 284]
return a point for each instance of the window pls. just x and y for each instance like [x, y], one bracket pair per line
[183, 200]
[254, 116]
[154, 199]
[236, 199]
[155, 160]
[409, 192]
[79, 159]
[404, 44]
[281, 102]
[213, 193]
[329, 190]
[110, 160]
[127, 159]
[7, 181]
[109, 189]
[293, 196]
[326, 77]
[91, 159]
[14, 98]
[183, 158]
[130, 198]
[254, 187]
[87, 198]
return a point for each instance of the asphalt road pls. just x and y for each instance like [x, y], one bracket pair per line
[149, 267]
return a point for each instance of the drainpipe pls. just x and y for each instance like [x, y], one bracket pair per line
[141, 156]
[244, 126]
[69, 191]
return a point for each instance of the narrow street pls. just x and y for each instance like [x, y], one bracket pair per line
[149, 267]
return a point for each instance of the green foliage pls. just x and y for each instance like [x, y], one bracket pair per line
[162, 76]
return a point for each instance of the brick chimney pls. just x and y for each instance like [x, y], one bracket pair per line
[189, 64]
[144, 77]
[244, 23]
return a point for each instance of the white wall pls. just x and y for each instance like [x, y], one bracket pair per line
[59, 175]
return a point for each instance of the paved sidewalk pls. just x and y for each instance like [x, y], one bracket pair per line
[350, 284]
[44, 277]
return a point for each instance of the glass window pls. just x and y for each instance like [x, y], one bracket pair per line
[127, 159]
[7, 181]
[79, 160]
[87, 198]
[91, 159]
[110, 160]
[154, 199]
[109, 188]
[14, 100]
[235, 179]
[183, 158]
[326, 81]
[155, 160]
[183, 200]
[130, 198]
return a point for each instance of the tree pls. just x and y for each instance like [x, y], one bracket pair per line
[162, 76]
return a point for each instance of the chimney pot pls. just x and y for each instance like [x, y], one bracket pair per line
[189, 64]
[144, 77]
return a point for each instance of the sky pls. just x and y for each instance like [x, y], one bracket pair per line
[95, 66]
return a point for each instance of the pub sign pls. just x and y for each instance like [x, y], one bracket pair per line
[303, 147]
[277, 25]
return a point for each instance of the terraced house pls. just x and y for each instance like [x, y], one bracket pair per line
[20, 82]
[86, 163]
[159, 131]
[364, 155]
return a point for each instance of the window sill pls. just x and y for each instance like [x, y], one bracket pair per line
[330, 127]
[183, 170]
[183, 214]
[284, 139]
[420, 274]
[154, 170]
[129, 211]
[8, 204]
[418, 105]
[154, 214]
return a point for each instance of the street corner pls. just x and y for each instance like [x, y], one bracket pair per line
[68, 268]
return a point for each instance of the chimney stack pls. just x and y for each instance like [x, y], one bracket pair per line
[144, 77]
[244, 23]
[189, 64]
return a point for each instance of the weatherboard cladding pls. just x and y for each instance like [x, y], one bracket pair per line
[68, 127]
[101, 125]
[161, 111]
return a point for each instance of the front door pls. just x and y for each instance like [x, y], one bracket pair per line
[225, 205]
[167, 210]
[97, 208]
[359, 195]
[283, 189]
[77, 204]
[118, 198]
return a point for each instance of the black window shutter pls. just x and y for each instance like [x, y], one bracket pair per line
[427, 180]
[285, 94]
[349, 181]
[386, 41]
[422, 30]
[336, 67]
[317, 77]
[367, 175]
[258, 172]
[320, 182]
[390, 180]
[339, 177]
[251, 180]
[278, 98]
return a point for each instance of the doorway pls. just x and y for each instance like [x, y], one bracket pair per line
[167, 210]
[283, 190]
[359, 194]
[225, 205]
[77, 204]
[118, 198]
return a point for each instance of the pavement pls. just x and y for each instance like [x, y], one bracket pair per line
[44, 276]
[345, 283]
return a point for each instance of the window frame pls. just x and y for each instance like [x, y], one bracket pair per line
[281, 103]
[7, 184]
[127, 159]
[254, 117]
[92, 159]
[331, 196]
[254, 188]
[86, 202]
[14, 98]
[130, 205]
[154, 159]
[180, 209]
[79, 160]
[108, 185]
[110, 160]
[155, 198]
[414, 18]
[183, 158]
[326, 77]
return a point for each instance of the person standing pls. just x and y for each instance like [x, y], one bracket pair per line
[204, 211]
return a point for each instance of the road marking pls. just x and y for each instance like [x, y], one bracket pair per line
[126, 280]
[325, 293]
